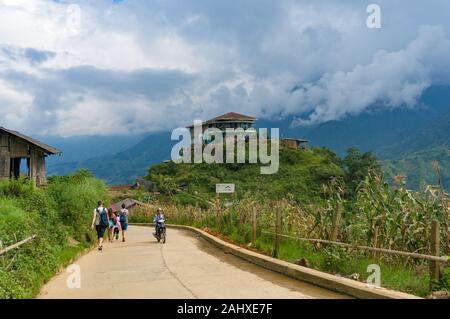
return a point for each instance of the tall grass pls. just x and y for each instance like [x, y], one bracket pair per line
[403, 219]
[60, 217]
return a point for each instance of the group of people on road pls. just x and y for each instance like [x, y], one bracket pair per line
[113, 221]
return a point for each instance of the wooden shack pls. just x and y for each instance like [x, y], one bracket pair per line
[15, 147]
[295, 143]
[144, 184]
[131, 205]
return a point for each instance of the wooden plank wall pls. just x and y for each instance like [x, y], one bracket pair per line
[13, 147]
[291, 144]
[4, 156]
[39, 167]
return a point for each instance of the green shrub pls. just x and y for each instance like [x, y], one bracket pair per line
[61, 211]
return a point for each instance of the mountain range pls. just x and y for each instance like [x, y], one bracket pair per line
[406, 140]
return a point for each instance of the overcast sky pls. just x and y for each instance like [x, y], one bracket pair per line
[147, 65]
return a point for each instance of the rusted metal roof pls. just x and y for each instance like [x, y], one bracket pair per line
[46, 148]
[129, 202]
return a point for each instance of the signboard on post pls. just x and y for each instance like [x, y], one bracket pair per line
[224, 188]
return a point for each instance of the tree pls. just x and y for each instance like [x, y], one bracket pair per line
[166, 185]
[357, 166]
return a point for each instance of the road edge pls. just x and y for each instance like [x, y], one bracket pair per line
[63, 268]
[318, 278]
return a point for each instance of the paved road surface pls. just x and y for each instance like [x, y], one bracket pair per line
[185, 267]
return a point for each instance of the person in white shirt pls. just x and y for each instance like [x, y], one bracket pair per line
[100, 221]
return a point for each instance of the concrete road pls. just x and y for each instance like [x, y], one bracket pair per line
[185, 267]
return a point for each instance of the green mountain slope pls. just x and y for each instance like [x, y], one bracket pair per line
[418, 167]
[300, 172]
[414, 156]
[380, 130]
[436, 134]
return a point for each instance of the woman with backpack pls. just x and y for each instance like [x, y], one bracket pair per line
[100, 220]
[123, 218]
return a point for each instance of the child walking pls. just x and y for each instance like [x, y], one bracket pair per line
[112, 219]
[117, 228]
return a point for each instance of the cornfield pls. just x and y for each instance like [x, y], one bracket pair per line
[398, 217]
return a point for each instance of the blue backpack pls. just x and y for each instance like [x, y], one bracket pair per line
[123, 217]
[104, 218]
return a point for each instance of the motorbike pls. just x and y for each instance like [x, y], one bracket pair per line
[160, 234]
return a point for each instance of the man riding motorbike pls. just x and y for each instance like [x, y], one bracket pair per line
[159, 216]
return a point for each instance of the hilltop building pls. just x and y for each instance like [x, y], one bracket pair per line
[236, 120]
[294, 143]
[229, 120]
[15, 147]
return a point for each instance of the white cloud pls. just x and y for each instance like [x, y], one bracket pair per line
[392, 79]
[145, 66]
[15, 106]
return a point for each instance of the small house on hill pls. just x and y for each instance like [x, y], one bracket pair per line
[235, 120]
[229, 120]
[294, 143]
[145, 184]
[15, 147]
[130, 204]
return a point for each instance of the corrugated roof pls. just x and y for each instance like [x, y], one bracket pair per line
[127, 201]
[231, 116]
[46, 148]
[294, 139]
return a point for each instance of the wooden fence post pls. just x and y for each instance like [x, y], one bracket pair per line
[435, 273]
[446, 209]
[277, 231]
[253, 224]
[376, 240]
[336, 223]
[218, 209]
[241, 218]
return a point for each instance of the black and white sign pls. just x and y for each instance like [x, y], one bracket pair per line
[224, 188]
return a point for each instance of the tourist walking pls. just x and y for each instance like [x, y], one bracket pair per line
[100, 221]
[123, 218]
